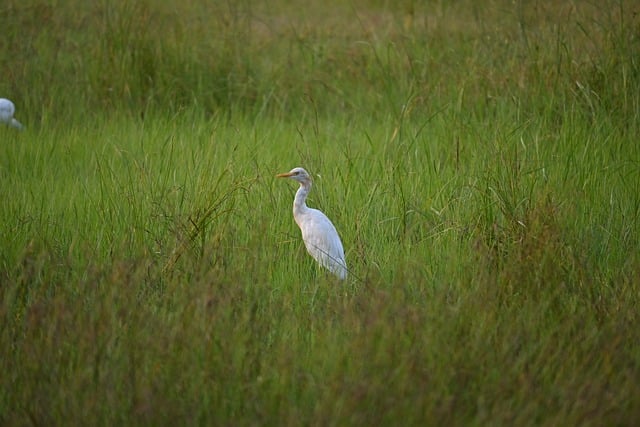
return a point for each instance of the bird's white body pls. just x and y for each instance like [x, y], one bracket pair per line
[318, 233]
[7, 109]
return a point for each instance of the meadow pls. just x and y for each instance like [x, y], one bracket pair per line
[480, 160]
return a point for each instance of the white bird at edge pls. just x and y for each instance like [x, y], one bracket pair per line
[6, 113]
[318, 233]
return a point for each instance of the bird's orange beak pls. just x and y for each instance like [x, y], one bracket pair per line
[283, 175]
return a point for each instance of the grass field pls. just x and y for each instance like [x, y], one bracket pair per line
[480, 160]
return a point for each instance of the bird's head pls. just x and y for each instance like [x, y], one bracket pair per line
[299, 174]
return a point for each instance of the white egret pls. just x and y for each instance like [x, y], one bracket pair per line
[6, 113]
[318, 233]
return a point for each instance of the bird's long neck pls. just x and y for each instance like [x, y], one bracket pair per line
[300, 201]
[15, 123]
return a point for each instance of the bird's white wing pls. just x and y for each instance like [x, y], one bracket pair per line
[323, 242]
[7, 109]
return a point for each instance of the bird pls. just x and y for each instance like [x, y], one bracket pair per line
[318, 232]
[6, 113]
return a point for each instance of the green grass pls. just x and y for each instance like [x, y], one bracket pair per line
[479, 160]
